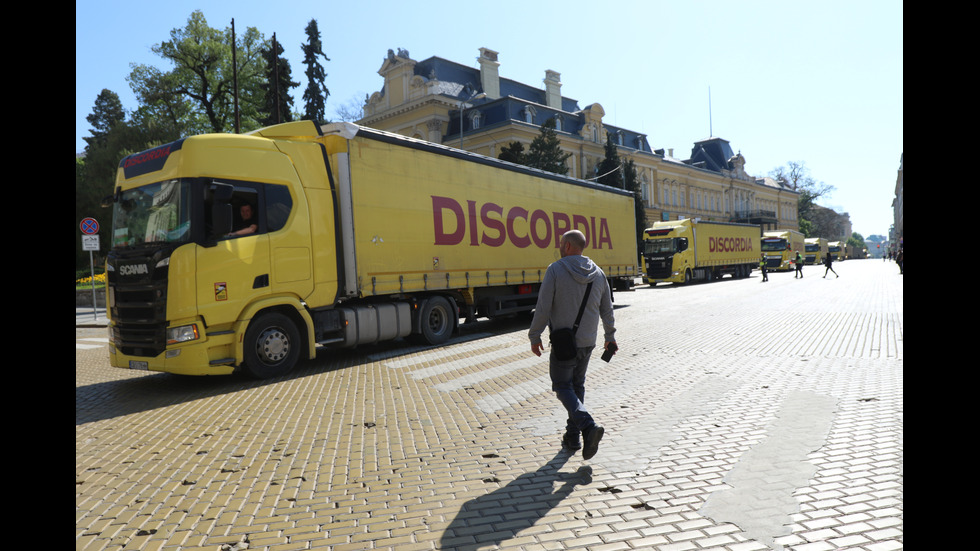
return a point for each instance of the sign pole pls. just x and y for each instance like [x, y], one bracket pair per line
[91, 264]
[90, 242]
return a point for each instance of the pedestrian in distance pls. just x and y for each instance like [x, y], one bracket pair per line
[764, 269]
[799, 265]
[829, 263]
[573, 298]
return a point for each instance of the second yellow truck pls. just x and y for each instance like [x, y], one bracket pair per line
[682, 251]
[247, 252]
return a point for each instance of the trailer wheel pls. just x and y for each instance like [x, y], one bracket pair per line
[436, 320]
[272, 345]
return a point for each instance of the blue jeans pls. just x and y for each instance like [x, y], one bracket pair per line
[568, 382]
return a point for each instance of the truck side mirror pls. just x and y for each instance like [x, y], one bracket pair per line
[681, 244]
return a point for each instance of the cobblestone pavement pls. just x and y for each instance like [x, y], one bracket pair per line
[739, 416]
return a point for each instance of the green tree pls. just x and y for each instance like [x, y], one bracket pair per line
[797, 175]
[107, 113]
[609, 169]
[513, 152]
[545, 151]
[198, 94]
[857, 241]
[278, 102]
[315, 96]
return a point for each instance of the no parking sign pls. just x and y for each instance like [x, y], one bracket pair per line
[90, 234]
[89, 226]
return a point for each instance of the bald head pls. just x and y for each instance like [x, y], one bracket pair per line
[572, 242]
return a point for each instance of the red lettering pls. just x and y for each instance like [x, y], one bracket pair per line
[147, 156]
[492, 224]
[513, 214]
[471, 210]
[451, 221]
[604, 236]
[542, 241]
[729, 244]
[438, 205]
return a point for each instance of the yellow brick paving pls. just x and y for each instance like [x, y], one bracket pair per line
[401, 447]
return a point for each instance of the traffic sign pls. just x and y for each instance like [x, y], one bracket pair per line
[89, 226]
[90, 242]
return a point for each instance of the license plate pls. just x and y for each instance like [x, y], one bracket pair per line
[143, 366]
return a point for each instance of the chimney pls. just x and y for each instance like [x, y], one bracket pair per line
[552, 89]
[489, 74]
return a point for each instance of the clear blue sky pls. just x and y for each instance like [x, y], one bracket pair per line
[816, 82]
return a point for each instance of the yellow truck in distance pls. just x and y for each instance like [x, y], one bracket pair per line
[816, 250]
[248, 252]
[836, 249]
[682, 251]
[780, 248]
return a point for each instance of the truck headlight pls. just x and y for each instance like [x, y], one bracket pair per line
[181, 334]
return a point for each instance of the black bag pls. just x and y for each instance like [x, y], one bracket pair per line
[563, 340]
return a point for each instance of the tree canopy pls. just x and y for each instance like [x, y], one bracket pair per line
[545, 151]
[315, 96]
[797, 175]
[198, 94]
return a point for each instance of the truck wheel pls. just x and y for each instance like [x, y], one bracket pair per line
[436, 320]
[272, 346]
[688, 277]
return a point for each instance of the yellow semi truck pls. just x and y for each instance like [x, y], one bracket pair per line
[247, 252]
[816, 250]
[682, 251]
[780, 248]
[836, 249]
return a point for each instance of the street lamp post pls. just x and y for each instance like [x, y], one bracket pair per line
[462, 106]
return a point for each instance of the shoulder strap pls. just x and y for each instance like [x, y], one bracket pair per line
[581, 309]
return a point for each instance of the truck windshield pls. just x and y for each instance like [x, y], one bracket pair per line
[154, 213]
[660, 246]
[774, 244]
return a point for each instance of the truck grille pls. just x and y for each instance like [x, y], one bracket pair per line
[659, 267]
[138, 306]
[139, 313]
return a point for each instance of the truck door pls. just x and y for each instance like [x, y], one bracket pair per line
[236, 269]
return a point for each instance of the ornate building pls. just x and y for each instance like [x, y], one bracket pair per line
[475, 109]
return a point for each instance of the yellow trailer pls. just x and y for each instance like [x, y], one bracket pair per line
[682, 251]
[236, 252]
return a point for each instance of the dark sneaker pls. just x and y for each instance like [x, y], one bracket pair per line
[571, 442]
[592, 437]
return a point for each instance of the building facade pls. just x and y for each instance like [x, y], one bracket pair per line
[476, 109]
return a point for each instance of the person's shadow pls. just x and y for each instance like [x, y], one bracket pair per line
[503, 513]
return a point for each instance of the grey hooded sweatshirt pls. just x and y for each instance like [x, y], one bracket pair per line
[561, 295]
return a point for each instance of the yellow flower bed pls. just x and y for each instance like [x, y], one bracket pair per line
[99, 280]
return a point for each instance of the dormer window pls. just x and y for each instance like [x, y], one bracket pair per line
[528, 113]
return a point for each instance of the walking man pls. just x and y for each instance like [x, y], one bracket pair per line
[763, 266]
[560, 300]
[829, 262]
[799, 266]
